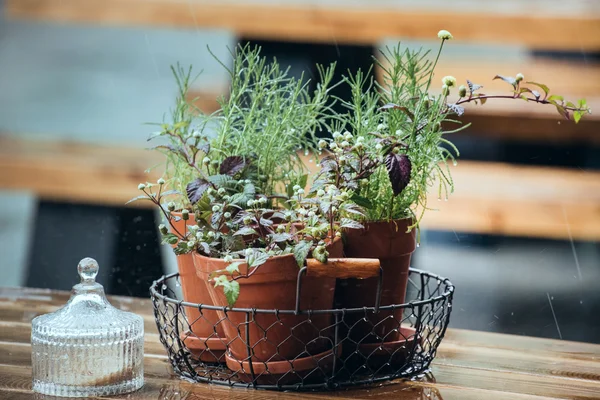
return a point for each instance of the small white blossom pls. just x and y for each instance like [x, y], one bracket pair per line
[197, 134]
[320, 192]
[519, 77]
[345, 144]
[191, 244]
[322, 144]
[141, 186]
[347, 135]
[336, 135]
[311, 214]
[300, 191]
[210, 234]
[378, 146]
[449, 81]
[262, 200]
[161, 181]
[206, 160]
[333, 146]
[250, 203]
[221, 191]
[228, 258]
[445, 35]
[216, 208]
[380, 127]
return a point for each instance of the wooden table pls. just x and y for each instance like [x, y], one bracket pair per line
[470, 365]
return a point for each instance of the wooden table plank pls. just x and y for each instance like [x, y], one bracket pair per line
[326, 21]
[469, 364]
[491, 198]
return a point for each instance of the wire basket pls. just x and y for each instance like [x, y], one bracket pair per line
[305, 349]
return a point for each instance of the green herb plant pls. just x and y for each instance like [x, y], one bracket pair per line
[396, 146]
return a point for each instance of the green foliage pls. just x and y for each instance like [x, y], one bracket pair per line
[268, 117]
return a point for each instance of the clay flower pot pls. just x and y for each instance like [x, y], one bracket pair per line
[206, 339]
[388, 242]
[273, 339]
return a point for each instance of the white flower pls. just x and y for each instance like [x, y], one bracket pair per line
[347, 135]
[320, 192]
[360, 139]
[216, 208]
[380, 127]
[197, 134]
[378, 146]
[221, 191]
[345, 144]
[161, 181]
[399, 132]
[206, 160]
[228, 258]
[211, 234]
[250, 203]
[191, 244]
[449, 81]
[300, 191]
[519, 77]
[445, 35]
[262, 200]
[141, 186]
[322, 144]
[333, 146]
[336, 135]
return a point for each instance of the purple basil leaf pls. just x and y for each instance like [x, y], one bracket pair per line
[232, 165]
[196, 189]
[399, 167]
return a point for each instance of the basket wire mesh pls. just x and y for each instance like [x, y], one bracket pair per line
[305, 349]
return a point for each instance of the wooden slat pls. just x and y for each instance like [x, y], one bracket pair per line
[490, 197]
[359, 22]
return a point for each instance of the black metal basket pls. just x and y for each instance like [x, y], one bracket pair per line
[400, 341]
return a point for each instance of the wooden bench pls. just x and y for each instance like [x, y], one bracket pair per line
[490, 197]
[546, 24]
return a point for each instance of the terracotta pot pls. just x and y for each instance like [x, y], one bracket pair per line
[205, 340]
[388, 242]
[273, 286]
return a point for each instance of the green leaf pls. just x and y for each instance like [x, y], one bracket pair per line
[482, 98]
[545, 88]
[562, 111]
[280, 237]
[577, 116]
[301, 251]
[256, 258]
[555, 98]
[507, 79]
[350, 224]
[524, 97]
[245, 230]
[234, 267]
[582, 104]
[142, 197]
[231, 289]
[361, 201]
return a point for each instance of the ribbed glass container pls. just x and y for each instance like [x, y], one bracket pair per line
[88, 347]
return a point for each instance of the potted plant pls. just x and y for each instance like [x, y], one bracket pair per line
[395, 148]
[251, 257]
[267, 116]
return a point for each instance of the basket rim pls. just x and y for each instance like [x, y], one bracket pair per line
[449, 290]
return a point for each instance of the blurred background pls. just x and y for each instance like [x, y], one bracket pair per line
[79, 78]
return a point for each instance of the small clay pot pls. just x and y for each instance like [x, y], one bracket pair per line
[205, 340]
[392, 245]
[274, 337]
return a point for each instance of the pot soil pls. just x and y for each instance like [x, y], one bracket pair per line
[264, 339]
[204, 336]
[388, 242]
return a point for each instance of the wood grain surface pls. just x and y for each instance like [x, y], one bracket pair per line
[470, 365]
[541, 24]
[490, 197]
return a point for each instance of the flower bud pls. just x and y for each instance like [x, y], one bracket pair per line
[163, 229]
[364, 182]
[191, 244]
[322, 144]
[378, 146]
[519, 77]
[141, 186]
[171, 206]
[161, 181]
[185, 215]
[395, 150]
[320, 192]
[347, 135]
[445, 90]
[227, 215]
[380, 127]
[250, 203]
[345, 144]
[247, 220]
[216, 208]
[336, 135]
[214, 163]
[206, 160]
[221, 191]
[297, 187]
[311, 214]
[449, 81]
[445, 35]
[262, 200]
[210, 191]
[462, 91]
[210, 234]
[197, 134]
[338, 234]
